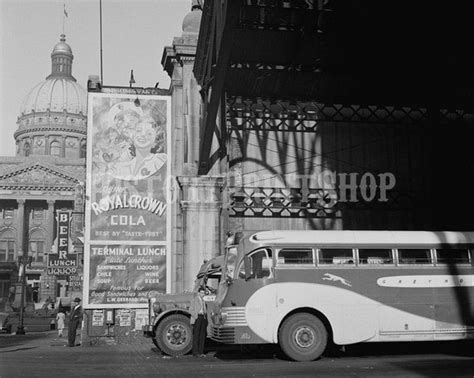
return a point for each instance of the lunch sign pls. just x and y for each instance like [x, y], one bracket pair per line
[127, 226]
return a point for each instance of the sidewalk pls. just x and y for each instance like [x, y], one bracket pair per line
[44, 354]
[46, 340]
[13, 342]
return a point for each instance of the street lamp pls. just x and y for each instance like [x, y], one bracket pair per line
[24, 261]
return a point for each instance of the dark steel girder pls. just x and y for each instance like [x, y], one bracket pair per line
[213, 91]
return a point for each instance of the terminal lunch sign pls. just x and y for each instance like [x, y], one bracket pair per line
[126, 236]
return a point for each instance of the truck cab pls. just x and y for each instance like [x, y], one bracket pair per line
[168, 314]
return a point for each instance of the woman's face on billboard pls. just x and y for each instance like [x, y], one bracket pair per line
[145, 135]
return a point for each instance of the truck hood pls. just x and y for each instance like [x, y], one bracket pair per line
[174, 298]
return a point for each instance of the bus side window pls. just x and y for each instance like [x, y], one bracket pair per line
[296, 256]
[375, 256]
[414, 256]
[261, 264]
[452, 256]
[336, 256]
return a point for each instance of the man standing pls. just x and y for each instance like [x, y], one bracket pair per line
[199, 322]
[74, 319]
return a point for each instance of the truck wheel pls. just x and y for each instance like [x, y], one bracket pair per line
[303, 337]
[174, 335]
[154, 340]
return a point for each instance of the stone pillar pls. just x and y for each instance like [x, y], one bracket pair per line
[202, 232]
[21, 228]
[49, 226]
[46, 145]
[63, 146]
[48, 283]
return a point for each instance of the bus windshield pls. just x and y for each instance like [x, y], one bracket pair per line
[231, 260]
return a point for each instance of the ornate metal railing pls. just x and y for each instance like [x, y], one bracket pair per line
[245, 202]
[279, 202]
[259, 114]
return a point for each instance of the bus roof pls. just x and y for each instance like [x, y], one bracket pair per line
[363, 238]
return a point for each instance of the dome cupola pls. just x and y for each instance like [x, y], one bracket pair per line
[192, 20]
[61, 58]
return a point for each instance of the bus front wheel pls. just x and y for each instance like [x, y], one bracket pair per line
[303, 337]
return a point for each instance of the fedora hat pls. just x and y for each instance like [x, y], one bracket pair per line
[77, 299]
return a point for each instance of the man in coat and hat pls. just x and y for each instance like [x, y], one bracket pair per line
[74, 320]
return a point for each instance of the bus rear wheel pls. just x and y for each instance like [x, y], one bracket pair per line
[303, 337]
[174, 335]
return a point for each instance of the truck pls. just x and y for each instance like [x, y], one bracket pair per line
[168, 323]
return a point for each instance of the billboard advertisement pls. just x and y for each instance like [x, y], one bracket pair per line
[127, 225]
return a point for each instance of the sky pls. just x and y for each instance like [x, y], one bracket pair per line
[134, 34]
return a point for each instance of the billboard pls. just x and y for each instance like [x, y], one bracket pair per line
[127, 222]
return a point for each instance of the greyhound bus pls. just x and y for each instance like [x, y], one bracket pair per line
[306, 289]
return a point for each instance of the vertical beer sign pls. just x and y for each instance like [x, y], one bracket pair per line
[127, 226]
[62, 263]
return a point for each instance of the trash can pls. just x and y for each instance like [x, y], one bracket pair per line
[52, 325]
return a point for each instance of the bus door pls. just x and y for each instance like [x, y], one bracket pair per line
[255, 271]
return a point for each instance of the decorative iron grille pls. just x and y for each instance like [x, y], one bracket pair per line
[281, 203]
[259, 114]
[265, 202]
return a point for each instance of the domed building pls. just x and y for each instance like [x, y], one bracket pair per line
[46, 176]
[52, 117]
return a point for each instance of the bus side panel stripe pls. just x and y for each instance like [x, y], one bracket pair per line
[353, 317]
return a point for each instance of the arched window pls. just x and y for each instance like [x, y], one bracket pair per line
[26, 149]
[7, 246]
[37, 241]
[55, 148]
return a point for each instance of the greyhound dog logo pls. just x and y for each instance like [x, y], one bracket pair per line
[332, 277]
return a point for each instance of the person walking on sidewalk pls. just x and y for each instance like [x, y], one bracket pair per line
[199, 322]
[60, 322]
[74, 320]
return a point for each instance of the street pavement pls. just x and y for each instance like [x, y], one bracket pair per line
[44, 354]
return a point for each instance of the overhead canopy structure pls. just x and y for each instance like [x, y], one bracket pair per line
[398, 53]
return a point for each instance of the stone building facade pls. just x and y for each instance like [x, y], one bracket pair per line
[46, 175]
[197, 218]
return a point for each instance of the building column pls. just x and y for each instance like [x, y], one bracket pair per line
[21, 228]
[46, 145]
[63, 146]
[49, 226]
[47, 282]
[201, 209]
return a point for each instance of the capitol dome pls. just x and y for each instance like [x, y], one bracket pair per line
[59, 91]
[192, 20]
[52, 118]
[56, 95]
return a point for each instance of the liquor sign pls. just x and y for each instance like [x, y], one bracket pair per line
[126, 234]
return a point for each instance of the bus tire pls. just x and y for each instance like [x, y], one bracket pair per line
[174, 335]
[303, 337]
